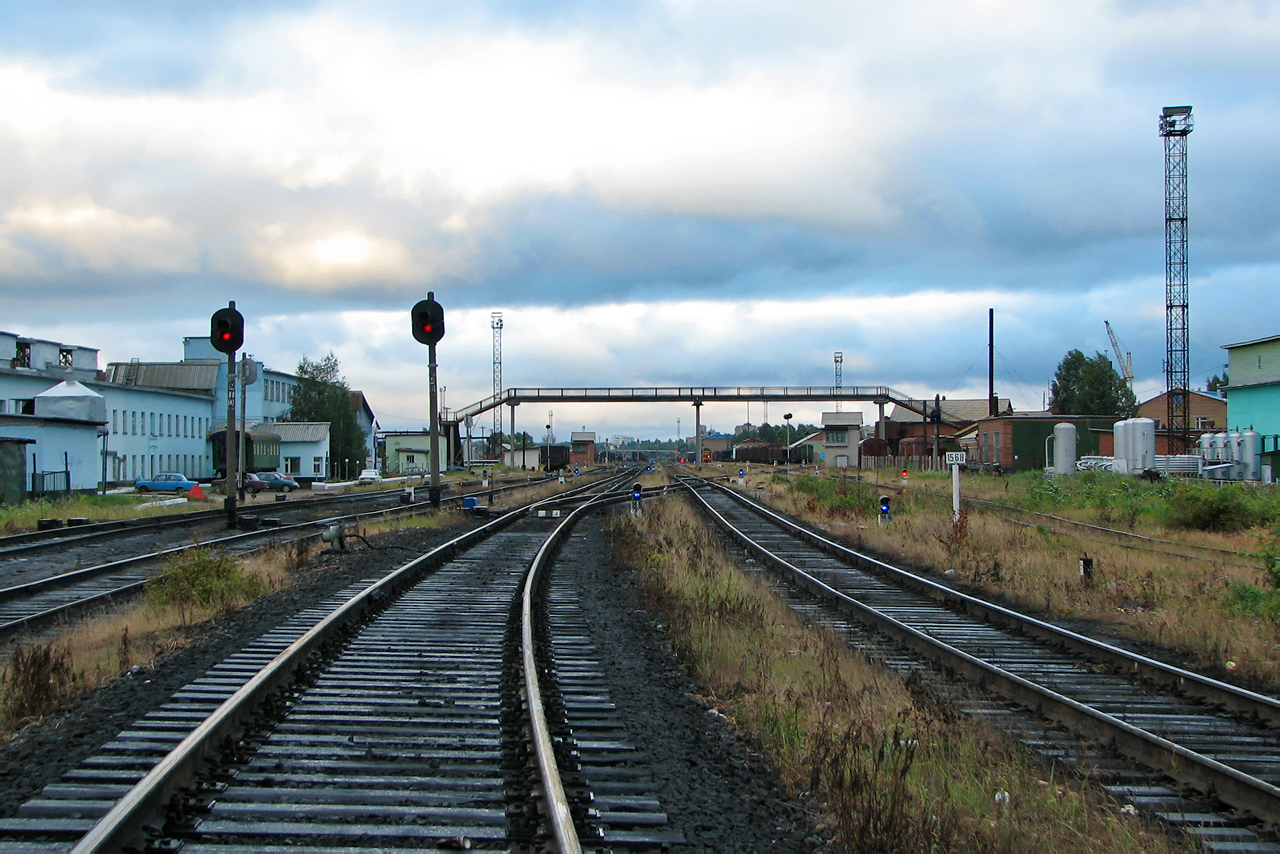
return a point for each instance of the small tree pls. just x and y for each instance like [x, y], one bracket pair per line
[1217, 382]
[1084, 386]
[322, 395]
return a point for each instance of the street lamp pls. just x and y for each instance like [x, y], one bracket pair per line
[547, 445]
[787, 418]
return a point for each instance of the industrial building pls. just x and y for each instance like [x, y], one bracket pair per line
[1253, 392]
[80, 428]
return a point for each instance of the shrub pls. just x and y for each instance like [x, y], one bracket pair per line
[1224, 510]
[199, 579]
[38, 680]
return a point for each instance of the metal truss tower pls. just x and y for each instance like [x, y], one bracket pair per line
[839, 376]
[1175, 125]
[495, 321]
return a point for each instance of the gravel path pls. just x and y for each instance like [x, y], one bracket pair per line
[714, 786]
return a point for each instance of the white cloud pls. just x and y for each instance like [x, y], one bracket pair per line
[93, 236]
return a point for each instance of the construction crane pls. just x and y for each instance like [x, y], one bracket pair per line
[1124, 358]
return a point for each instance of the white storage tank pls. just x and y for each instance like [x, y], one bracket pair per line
[1064, 448]
[1218, 442]
[1142, 445]
[1205, 443]
[1251, 454]
[1120, 446]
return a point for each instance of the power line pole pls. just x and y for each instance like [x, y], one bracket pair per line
[495, 322]
[839, 376]
[1175, 125]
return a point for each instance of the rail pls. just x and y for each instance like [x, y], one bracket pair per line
[1229, 784]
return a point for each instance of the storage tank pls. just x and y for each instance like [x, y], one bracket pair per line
[1120, 446]
[1064, 448]
[1218, 442]
[1205, 443]
[1251, 454]
[1231, 452]
[1142, 445]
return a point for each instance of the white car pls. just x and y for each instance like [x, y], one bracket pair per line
[369, 476]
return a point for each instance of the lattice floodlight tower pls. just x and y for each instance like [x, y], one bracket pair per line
[495, 321]
[1175, 125]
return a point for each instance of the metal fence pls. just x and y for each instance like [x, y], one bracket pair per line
[50, 483]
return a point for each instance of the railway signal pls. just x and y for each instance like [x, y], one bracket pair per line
[427, 318]
[886, 514]
[428, 321]
[226, 329]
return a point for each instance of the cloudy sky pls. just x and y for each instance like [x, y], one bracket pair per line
[675, 193]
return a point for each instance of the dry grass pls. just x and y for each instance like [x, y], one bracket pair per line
[899, 771]
[1189, 604]
[39, 678]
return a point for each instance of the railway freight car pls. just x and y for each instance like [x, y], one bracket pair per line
[553, 457]
[776, 454]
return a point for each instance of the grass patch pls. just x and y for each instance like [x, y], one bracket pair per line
[899, 771]
[202, 581]
[21, 517]
[39, 679]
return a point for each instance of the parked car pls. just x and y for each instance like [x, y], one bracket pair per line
[166, 482]
[275, 482]
[369, 476]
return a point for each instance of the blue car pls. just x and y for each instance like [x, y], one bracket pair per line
[166, 482]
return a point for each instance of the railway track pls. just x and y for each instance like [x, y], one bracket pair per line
[53, 596]
[416, 711]
[1214, 747]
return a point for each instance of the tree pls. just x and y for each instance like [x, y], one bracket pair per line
[1084, 386]
[322, 394]
[1217, 382]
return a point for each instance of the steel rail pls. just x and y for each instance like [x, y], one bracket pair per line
[1230, 785]
[27, 541]
[559, 815]
[55, 582]
[122, 825]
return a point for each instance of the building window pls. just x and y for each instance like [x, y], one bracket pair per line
[153, 424]
[318, 465]
[134, 413]
[408, 458]
[837, 437]
[22, 356]
[114, 413]
[1202, 423]
[64, 358]
[293, 465]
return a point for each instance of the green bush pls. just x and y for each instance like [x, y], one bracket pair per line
[1225, 509]
[854, 498]
[197, 579]
[1249, 600]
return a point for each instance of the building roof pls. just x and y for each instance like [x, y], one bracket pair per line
[1254, 341]
[959, 410]
[196, 375]
[301, 431]
[582, 437]
[1217, 398]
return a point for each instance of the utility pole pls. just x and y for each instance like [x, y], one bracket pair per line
[839, 377]
[495, 323]
[1175, 126]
